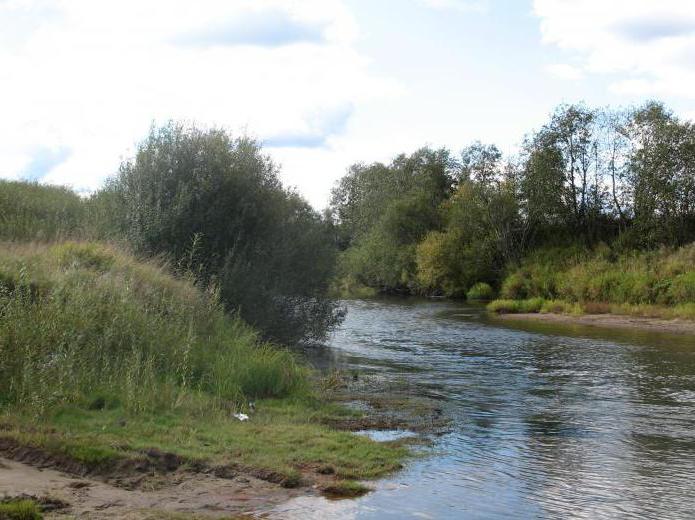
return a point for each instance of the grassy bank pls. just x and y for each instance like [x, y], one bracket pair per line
[658, 284]
[539, 305]
[104, 358]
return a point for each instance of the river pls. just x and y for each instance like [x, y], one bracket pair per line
[547, 422]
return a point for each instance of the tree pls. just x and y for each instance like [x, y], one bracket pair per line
[218, 202]
[662, 175]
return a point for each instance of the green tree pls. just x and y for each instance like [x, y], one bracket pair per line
[215, 204]
[662, 175]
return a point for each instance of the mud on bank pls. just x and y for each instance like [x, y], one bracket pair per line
[154, 478]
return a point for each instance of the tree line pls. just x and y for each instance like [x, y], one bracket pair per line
[434, 222]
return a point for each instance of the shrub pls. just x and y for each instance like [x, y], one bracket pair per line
[560, 307]
[514, 286]
[635, 278]
[216, 206]
[532, 305]
[480, 291]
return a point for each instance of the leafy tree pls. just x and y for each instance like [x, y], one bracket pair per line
[384, 211]
[662, 175]
[215, 205]
[366, 193]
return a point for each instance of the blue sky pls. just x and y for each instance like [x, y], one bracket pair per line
[323, 83]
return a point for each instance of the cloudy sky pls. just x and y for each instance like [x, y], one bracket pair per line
[323, 83]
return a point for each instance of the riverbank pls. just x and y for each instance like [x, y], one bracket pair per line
[106, 464]
[614, 321]
[113, 370]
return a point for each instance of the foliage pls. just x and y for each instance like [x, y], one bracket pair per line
[480, 291]
[215, 204]
[516, 306]
[83, 323]
[589, 178]
[384, 211]
[30, 211]
[604, 276]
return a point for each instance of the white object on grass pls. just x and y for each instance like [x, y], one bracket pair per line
[241, 416]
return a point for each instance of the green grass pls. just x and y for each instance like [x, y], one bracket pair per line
[284, 437]
[663, 278]
[103, 357]
[31, 211]
[538, 305]
[345, 489]
[658, 284]
[19, 510]
[85, 321]
[516, 306]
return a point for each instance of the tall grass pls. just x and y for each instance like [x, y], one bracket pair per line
[87, 323]
[660, 277]
[30, 211]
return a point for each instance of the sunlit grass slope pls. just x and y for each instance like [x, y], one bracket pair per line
[103, 357]
[84, 321]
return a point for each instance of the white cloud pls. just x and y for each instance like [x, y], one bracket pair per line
[90, 77]
[650, 45]
[478, 6]
[565, 71]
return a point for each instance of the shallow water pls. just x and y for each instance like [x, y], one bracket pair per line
[548, 421]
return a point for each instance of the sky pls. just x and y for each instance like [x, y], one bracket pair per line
[321, 83]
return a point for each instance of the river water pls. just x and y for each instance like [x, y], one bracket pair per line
[548, 421]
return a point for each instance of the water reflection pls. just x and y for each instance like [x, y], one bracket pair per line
[548, 421]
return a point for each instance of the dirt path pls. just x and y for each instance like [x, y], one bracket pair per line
[613, 321]
[182, 492]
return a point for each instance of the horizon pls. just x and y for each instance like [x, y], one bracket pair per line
[322, 84]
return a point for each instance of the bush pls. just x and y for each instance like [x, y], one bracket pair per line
[503, 306]
[480, 291]
[514, 286]
[682, 288]
[215, 206]
[560, 307]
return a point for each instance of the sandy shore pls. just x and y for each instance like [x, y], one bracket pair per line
[178, 493]
[613, 321]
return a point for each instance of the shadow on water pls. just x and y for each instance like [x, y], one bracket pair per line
[548, 420]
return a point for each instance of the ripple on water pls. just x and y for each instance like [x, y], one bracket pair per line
[545, 425]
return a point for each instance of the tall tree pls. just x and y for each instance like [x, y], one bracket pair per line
[218, 202]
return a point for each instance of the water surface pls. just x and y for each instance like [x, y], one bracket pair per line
[548, 421]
